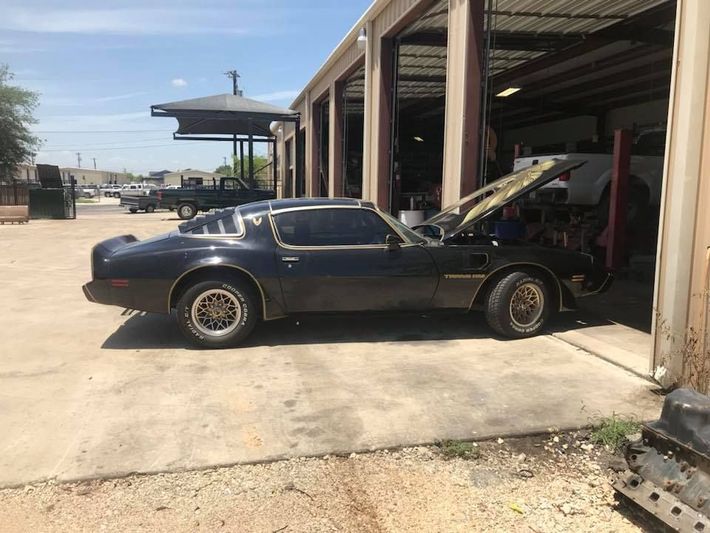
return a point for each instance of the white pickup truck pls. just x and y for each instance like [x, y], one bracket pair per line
[589, 185]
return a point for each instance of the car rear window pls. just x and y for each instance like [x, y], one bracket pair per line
[221, 222]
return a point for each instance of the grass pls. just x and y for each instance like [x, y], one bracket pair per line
[451, 449]
[612, 431]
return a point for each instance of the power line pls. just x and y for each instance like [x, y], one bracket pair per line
[100, 131]
[110, 143]
[123, 147]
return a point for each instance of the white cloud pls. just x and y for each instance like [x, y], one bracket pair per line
[129, 121]
[276, 96]
[73, 101]
[129, 21]
[179, 82]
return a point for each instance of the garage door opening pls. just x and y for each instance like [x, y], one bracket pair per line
[562, 82]
[420, 53]
[353, 127]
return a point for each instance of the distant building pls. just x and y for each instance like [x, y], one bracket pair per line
[83, 176]
[87, 176]
[26, 172]
[190, 177]
[159, 174]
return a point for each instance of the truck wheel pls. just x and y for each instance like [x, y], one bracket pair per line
[638, 204]
[518, 306]
[186, 211]
[149, 208]
[217, 314]
[133, 209]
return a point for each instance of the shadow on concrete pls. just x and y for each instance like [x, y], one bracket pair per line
[145, 331]
[627, 302]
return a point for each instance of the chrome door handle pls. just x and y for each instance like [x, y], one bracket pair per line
[290, 259]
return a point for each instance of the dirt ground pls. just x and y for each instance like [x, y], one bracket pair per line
[551, 483]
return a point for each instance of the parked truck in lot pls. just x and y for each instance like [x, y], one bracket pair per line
[589, 185]
[141, 202]
[229, 192]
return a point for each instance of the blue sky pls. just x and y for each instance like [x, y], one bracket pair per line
[99, 66]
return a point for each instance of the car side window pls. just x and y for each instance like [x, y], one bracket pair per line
[331, 227]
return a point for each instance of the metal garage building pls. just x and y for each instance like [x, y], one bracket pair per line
[397, 108]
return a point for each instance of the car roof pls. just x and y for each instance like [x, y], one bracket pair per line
[285, 204]
[263, 207]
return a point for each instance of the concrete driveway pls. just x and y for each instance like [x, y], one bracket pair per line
[89, 391]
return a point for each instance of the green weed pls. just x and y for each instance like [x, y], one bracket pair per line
[613, 430]
[456, 448]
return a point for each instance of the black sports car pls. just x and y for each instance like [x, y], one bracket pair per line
[223, 272]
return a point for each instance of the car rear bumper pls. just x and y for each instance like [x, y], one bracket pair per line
[98, 292]
[150, 295]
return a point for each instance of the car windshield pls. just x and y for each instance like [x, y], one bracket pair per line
[409, 234]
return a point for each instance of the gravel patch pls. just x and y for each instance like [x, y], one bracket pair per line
[551, 483]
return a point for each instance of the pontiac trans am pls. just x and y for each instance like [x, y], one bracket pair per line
[222, 273]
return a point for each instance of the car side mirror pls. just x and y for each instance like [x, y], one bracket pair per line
[392, 242]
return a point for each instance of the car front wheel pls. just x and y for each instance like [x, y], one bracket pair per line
[149, 208]
[217, 314]
[186, 211]
[518, 305]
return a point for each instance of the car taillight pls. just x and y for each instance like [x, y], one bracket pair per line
[565, 177]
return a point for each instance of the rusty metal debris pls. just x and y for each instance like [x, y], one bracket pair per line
[669, 467]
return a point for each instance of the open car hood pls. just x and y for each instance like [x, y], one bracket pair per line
[485, 201]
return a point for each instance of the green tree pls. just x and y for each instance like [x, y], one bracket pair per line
[225, 170]
[17, 105]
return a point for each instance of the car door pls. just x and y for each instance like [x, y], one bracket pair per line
[336, 259]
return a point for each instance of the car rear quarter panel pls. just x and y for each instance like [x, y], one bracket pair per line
[153, 269]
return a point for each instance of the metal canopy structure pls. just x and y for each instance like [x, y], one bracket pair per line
[571, 58]
[227, 117]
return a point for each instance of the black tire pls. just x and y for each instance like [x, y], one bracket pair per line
[197, 331]
[133, 209]
[186, 211]
[506, 321]
[150, 208]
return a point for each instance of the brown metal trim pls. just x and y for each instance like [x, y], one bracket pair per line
[411, 15]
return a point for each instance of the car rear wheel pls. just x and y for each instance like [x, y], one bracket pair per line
[149, 208]
[133, 209]
[217, 314]
[518, 305]
[186, 211]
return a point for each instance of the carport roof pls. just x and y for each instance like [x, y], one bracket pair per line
[223, 114]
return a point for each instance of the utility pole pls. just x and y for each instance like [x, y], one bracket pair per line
[94, 162]
[234, 75]
[225, 160]
[78, 159]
